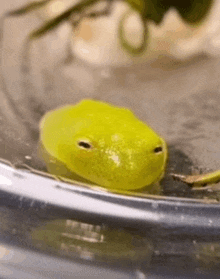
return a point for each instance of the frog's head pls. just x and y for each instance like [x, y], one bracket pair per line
[110, 147]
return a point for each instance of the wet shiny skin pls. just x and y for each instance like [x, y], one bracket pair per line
[103, 144]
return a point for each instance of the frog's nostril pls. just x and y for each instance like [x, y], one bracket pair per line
[85, 145]
[158, 149]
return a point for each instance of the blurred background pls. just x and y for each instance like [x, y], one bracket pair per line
[172, 84]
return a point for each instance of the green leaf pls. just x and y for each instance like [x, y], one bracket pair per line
[137, 5]
[155, 10]
[194, 11]
[53, 23]
[150, 9]
[28, 8]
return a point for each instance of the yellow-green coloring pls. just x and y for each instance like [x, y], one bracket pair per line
[99, 143]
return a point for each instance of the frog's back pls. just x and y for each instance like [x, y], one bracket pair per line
[96, 110]
[88, 109]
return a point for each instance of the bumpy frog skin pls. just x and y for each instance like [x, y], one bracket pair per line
[102, 144]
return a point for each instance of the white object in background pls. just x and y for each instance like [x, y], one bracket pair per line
[96, 40]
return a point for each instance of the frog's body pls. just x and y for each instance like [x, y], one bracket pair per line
[102, 144]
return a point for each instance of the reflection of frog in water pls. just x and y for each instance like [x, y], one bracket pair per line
[99, 143]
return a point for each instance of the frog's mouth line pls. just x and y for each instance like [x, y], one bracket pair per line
[79, 178]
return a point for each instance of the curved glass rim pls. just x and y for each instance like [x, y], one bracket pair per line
[20, 188]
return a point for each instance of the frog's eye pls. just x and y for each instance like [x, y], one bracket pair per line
[158, 149]
[84, 144]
